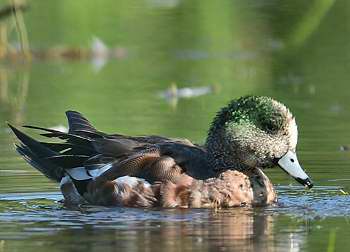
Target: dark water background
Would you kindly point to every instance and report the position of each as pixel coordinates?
(295, 51)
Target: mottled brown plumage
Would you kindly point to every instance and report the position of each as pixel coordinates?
(249, 134)
(229, 189)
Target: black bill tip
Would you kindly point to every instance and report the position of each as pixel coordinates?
(305, 182)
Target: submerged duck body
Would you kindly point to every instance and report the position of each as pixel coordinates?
(249, 134)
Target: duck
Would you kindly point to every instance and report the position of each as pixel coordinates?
(246, 136)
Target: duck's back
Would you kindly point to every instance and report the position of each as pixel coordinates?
(87, 154)
(154, 158)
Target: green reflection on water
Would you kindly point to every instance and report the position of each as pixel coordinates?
(296, 52)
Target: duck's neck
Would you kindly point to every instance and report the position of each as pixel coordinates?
(223, 155)
(220, 156)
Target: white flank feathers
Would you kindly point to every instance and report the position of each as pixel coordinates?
(80, 173)
(132, 181)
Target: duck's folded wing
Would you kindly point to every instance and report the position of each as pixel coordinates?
(162, 162)
(192, 159)
(85, 149)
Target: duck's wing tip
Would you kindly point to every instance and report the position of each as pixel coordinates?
(19, 134)
(13, 128)
(77, 122)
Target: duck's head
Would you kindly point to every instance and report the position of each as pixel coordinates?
(255, 131)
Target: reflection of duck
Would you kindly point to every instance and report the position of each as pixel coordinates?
(238, 229)
(244, 229)
(249, 134)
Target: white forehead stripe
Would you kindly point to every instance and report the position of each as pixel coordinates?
(293, 131)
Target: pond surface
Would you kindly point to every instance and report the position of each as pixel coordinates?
(168, 67)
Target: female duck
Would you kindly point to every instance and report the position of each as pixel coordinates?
(249, 134)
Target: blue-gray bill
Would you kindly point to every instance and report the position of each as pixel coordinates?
(290, 164)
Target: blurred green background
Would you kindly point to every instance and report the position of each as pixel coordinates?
(114, 61)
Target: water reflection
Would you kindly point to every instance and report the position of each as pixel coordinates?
(295, 51)
(36, 218)
(13, 92)
(239, 229)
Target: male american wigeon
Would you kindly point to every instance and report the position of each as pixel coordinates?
(248, 135)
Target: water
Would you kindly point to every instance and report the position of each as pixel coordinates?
(297, 53)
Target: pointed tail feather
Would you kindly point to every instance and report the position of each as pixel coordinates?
(37, 155)
(77, 122)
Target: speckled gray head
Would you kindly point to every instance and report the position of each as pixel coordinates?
(255, 131)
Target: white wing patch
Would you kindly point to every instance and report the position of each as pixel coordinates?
(81, 173)
(97, 172)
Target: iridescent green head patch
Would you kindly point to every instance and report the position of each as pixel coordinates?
(254, 131)
(262, 112)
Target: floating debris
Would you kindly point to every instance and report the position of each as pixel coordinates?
(98, 53)
(344, 148)
(335, 108)
(343, 192)
(173, 93)
(187, 92)
(163, 3)
(99, 48)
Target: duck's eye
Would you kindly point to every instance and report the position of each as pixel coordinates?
(292, 160)
(270, 126)
(271, 123)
